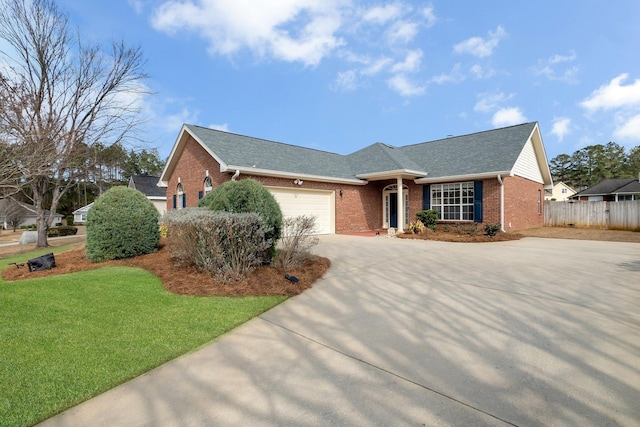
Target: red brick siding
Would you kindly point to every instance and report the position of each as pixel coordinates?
(520, 203)
(192, 165)
(490, 201)
(523, 204)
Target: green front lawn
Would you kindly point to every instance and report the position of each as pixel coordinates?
(64, 339)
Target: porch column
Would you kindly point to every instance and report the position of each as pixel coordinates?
(400, 205)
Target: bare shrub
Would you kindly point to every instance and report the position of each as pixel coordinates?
(296, 241)
(417, 227)
(224, 245)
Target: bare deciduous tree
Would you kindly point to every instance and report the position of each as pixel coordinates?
(12, 213)
(58, 95)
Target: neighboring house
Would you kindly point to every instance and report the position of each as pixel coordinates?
(611, 190)
(80, 215)
(148, 185)
(492, 177)
(28, 215)
(560, 192)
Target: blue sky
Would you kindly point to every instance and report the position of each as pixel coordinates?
(338, 75)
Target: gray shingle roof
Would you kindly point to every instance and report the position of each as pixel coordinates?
(489, 151)
(246, 151)
(631, 188)
(483, 152)
(148, 185)
(378, 158)
(611, 186)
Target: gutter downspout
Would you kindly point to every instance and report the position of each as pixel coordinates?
(235, 175)
(501, 203)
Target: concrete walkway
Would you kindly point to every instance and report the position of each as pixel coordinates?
(528, 333)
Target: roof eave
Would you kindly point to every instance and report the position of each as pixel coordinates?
(177, 147)
(405, 173)
(468, 177)
(541, 156)
(289, 175)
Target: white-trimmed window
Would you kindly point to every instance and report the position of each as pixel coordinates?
(208, 185)
(454, 201)
(181, 198)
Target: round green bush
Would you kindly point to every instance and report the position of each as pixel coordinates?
(245, 196)
(122, 223)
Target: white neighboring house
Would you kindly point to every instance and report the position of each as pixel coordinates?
(29, 216)
(561, 192)
(80, 215)
(145, 184)
(148, 185)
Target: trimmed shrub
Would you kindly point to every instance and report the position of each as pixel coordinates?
(428, 217)
(122, 223)
(70, 220)
(224, 245)
(296, 241)
(492, 229)
(245, 196)
(63, 230)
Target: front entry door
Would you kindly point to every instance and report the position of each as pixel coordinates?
(393, 210)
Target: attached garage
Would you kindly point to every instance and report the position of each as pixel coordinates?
(297, 201)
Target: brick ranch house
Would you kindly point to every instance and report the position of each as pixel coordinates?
(492, 177)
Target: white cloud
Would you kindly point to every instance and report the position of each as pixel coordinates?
(480, 47)
(384, 14)
(628, 129)
(429, 13)
(455, 76)
(548, 68)
(623, 100)
(480, 72)
(175, 121)
(292, 30)
(346, 81)
(555, 59)
(491, 101)
(377, 66)
(508, 117)
(223, 127)
(561, 127)
(411, 62)
(402, 32)
(614, 95)
(401, 84)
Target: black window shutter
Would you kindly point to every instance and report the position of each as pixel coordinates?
(175, 204)
(477, 201)
(426, 197)
(200, 195)
(184, 200)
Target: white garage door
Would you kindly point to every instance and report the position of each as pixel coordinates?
(295, 202)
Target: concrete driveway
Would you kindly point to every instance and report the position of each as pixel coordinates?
(528, 333)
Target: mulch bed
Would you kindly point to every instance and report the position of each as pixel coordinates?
(449, 236)
(188, 280)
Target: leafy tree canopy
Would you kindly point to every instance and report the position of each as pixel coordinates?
(594, 163)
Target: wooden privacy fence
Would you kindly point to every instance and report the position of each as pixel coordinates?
(605, 215)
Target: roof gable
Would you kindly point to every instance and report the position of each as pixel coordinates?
(380, 158)
(489, 153)
(147, 185)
